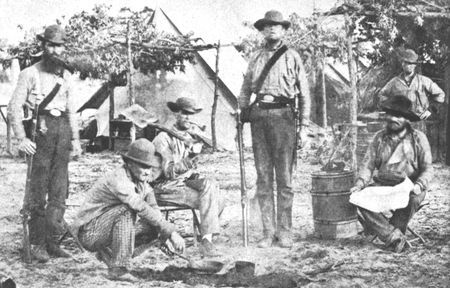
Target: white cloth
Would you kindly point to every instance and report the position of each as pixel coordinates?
(383, 198)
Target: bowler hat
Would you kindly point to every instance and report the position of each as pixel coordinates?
(272, 17)
(408, 56)
(143, 152)
(399, 105)
(184, 104)
(54, 34)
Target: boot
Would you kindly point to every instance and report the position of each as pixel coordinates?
(285, 240)
(39, 253)
(266, 242)
(208, 249)
(120, 274)
(56, 251)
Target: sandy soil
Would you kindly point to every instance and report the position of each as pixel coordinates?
(311, 262)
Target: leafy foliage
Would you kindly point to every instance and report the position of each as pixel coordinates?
(97, 45)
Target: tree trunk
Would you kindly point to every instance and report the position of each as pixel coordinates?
(354, 92)
(216, 98)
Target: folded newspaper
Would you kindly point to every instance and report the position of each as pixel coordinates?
(383, 198)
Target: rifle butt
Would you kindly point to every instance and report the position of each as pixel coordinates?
(26, 246)
(245, 224)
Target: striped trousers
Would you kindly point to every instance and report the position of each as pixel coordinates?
(115, 233)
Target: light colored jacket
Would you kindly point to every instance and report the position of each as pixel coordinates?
(28, 87)
(394, 157)
(286, 78)
(116, 188)
(420, 91)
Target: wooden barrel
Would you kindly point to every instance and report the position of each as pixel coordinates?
(334, 216)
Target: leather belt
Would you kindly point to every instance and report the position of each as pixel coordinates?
(266, 105)
(266, 101)
(52, 113)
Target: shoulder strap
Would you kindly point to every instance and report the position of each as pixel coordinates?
(50, 96)
(269, 66)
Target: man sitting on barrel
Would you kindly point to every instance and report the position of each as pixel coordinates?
(396, 152)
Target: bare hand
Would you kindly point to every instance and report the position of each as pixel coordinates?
(355, 189)
(177, 242)
(197, 148)
(76, 149)
(417, 189)
(27, 146)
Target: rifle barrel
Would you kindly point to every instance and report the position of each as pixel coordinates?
(244, 200)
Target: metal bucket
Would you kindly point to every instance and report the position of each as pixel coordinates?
(334, 216)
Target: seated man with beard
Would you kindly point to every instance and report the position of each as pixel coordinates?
(396, 152)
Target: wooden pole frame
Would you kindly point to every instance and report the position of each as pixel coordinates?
(216, 99)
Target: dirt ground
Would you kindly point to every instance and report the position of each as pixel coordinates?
(311, 262)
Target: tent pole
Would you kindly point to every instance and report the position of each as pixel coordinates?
(130, 83)
(354, 92)
(216, 98)
(111, 114)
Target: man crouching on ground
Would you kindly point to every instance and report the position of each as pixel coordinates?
(106, 222)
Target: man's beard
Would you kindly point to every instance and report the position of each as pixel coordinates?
(52, 62)
(397, 129)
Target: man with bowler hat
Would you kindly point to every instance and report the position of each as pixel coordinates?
(106, 221)
(47, 83)
(277, 86)
(417, 88)
(179, 184)
(396, 152)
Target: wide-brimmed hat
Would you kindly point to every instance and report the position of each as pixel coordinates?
(408, 56)
(184, 104)
(143, 152)
(399, 105)
(54, 34)
(272, 17)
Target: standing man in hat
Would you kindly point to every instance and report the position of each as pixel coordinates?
(106, 221)
(272, 118)
(46, 85)
(417, 88)
(178, 184)
(396, 152)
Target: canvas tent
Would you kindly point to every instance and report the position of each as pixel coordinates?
(197, 81)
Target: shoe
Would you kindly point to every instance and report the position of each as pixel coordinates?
(266, 242)
(399, 245)
(285, 241)
(104, 256)
(396, 241)
(120, 274)
(39, 253)
(56, 251)
(208, 249)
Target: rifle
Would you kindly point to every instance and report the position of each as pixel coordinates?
(297, 126)
(25, 209)
(244, 200)
(188, 141)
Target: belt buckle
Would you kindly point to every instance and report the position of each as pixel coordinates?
(55, 112)
(268, 98)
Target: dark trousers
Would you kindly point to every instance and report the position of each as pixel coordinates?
(273, 137)
(49, 179)
(383, 227)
